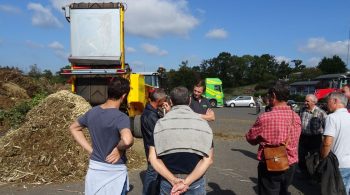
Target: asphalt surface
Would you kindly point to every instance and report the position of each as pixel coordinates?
(233, 172)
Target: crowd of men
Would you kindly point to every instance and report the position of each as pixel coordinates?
(178, 140)
(309, 134)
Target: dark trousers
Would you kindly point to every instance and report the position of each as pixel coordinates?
(274, 183)
(308, 144)
(151, 181)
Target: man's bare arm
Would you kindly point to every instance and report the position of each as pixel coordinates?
(126, 141)
(159, 166)
(197, 172)
(326, 146)
(77, 131)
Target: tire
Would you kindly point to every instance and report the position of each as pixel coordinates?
(251, 105)
(213, 103)
(232, 105)
(136, 126)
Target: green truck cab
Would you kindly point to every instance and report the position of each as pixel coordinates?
(214, 92)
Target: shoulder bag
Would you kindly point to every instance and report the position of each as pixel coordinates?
(276, 157)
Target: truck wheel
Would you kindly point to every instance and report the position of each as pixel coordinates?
(213, 103)
(136, 126)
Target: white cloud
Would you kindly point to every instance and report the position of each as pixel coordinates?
(151, 18)
(201, 11)
(312, 62)
(34, 45)
(58, 50)
(218, 33)
(43, 16)
(130, 50)
(56, 46)
(138, 66)
(156, 18)
(10, 9)
(323, 47)
(280, 59)
(154, 50)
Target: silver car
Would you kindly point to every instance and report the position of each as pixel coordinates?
(241, 101)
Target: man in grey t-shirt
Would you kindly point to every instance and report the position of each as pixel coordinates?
(110, 134)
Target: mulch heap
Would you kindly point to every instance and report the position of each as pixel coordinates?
(42, 150)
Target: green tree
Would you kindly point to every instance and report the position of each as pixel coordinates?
(283, 70)
(332, 65)
(34, 71)
(298, 66)
(47, 74)
(263, 68)
(310, 73)
(184, 76)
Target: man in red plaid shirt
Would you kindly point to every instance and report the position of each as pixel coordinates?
(275, 128)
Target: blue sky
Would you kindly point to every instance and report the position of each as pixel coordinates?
(166, 32)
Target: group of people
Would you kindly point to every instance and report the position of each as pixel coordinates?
(178, 140)
(309, 134)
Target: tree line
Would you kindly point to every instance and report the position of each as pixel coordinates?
(236, 70)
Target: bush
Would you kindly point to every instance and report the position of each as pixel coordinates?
(15, 117)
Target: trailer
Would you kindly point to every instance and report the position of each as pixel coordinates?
(98, 55)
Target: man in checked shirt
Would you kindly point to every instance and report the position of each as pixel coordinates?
(275, 128)
(312, 122)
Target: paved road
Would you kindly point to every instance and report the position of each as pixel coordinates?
(233, 172)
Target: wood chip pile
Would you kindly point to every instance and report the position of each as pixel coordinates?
(43, 151)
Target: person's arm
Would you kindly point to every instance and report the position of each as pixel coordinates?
(197, 172)
(77, 131)
(209, 115)
(253, 135)
(200, 168)
(326, 146)
(126, 141)
(159, 166)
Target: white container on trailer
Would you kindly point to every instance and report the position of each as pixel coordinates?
(95, 34)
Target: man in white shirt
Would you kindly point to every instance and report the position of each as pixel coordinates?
(337, 135)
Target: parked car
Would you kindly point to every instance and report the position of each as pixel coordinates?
(241, 101)
(293, 105)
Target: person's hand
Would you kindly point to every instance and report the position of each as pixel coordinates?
(114, 156)
(166, 106)
(209, 112)
(179, 188)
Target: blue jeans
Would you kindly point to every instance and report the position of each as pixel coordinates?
(150, 181)
(345, 174)
(196, 188)
(124, 192)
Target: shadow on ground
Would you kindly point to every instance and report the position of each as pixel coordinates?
(216, 190)
(246, 153)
